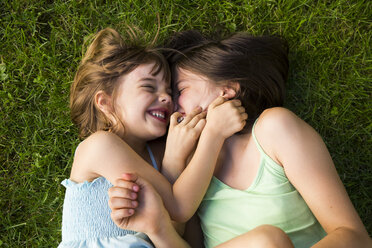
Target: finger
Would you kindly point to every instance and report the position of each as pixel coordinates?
(119, 203)
(244, 116)
(200, 125)
(127, 184)
(118, 215)
(196, 119)
(236, 102)
(191, 115)
(218, 101)
(129, 177)
(243, 125)
(174, 118)
(142, 183)
(122, 192)
(241, 109)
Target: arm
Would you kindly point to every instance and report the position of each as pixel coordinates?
(168, 237)
(149, 216)
(309, 167)
(105, 154)
(194, 180)
(181, 141)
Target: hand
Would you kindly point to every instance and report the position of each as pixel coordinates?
(225, 118)
(183, 135)
(181, 141)
(147, 214)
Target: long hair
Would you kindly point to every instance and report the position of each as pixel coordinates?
(107, 58)
(258, 63)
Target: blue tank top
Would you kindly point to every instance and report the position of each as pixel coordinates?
(86, 220)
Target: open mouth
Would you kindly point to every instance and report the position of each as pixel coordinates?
(159, 114)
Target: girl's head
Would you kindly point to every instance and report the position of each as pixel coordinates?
(252, 69)
(121, 86)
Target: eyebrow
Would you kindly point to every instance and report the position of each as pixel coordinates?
(178, 82)
(147, 79)
(153, 80)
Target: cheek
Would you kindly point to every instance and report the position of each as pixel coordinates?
(207, 99)
(181, 101)
(186, 103)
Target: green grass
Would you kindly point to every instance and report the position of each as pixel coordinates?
(330, 87)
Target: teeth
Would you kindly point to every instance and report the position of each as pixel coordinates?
(159, 115)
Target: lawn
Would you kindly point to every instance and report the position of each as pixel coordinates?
(41, 42)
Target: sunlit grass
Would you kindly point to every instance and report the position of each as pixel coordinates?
(41, 41)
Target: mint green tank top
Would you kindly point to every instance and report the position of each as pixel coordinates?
(226, 212)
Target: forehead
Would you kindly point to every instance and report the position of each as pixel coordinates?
(183, 75)
(146, 72)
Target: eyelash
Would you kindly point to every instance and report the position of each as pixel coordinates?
(149, 87)
(180, 91)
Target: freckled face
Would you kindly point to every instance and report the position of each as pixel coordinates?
(193, 90)
(144, 103)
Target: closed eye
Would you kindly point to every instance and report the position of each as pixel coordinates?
(177, 93)
(180, 87)
(180, 91)
(149, 87)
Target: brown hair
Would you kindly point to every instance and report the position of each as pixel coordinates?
(258, 64)
(107, 58)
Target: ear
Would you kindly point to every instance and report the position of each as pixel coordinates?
(230, 90)
(103, 102)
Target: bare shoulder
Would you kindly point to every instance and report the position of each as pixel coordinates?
(278, 128)
(281, 122)
(98, 141)
(91, 152)
(278, 119)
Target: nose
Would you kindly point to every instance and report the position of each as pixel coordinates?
(165, 98)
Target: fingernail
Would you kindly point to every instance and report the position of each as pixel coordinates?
(133, 195)
(180, 119)
(134, 203)
(135, 188)
(131, 211)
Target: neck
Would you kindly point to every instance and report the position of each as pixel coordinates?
(138, 145)
(234, 140)
(232, 149)
(233, 145)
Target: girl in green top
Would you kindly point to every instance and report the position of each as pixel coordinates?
(277, 172)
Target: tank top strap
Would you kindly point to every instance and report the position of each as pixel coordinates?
(153, 161)
(256, 141)
(268, 161)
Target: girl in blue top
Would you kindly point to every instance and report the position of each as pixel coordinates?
(275, 162)
(120, 100)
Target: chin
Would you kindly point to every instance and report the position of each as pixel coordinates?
(162, 133)
(158, 134)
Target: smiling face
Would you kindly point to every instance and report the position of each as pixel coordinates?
(143, 103)
(193, 90)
